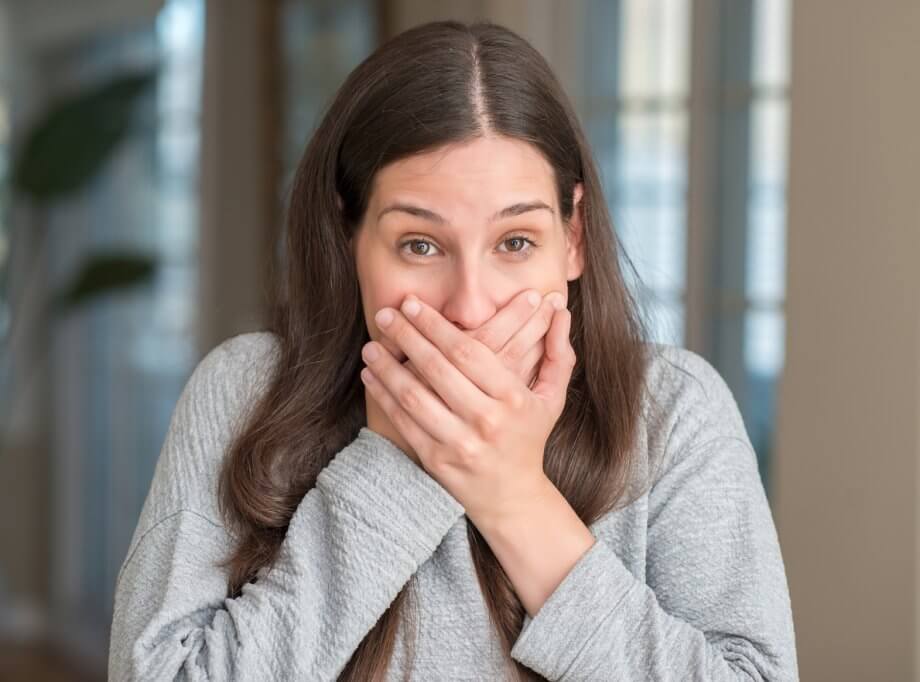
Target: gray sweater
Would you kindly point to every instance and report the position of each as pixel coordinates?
(685, 583)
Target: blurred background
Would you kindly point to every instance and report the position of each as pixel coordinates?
(760, 162)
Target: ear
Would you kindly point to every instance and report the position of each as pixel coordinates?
(575, 258)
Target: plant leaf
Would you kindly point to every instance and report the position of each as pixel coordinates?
(72, 141)
(104, 273)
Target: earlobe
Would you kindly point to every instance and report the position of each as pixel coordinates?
(575, 237)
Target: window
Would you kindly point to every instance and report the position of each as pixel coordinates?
(321, 42)
(645, 63)
(636, 115)
(119, 361)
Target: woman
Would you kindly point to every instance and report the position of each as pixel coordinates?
(424, 469)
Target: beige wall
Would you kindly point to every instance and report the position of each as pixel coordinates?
(848, 442)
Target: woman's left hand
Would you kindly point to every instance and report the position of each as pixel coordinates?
(483, 434)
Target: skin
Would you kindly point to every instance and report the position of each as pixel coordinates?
(436, 235)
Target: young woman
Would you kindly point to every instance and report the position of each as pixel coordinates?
(454, 454)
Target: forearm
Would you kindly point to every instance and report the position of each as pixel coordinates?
(538, 546)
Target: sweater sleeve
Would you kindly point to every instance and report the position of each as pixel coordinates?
(715, 602)
(350, 547)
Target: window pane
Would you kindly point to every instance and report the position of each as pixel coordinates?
(636, 120)
(666, 320)
(766, 239)
(763, 340)
(321, 42)
(654, 47)
(770, 65)
(648, 196)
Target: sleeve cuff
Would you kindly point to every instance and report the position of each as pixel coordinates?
(551, 641)
(377, 483)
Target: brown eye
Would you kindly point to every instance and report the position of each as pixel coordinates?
(418, 247)
(520, 245)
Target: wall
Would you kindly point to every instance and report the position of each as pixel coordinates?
(848, 442)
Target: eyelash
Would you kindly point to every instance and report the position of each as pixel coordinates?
(521, 254)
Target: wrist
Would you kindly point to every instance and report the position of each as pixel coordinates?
(540, 495)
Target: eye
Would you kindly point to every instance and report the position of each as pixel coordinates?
(414, 243)
(524, 245)
(520, 246)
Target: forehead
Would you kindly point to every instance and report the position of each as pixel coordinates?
(485, 172)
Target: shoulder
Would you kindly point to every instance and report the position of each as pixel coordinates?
(209, 414)
(238, 364)
(224, 386)
(683, 372)
(687, 403)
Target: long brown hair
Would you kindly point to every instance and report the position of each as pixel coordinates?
(435, 84)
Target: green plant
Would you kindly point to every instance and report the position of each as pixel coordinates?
(62, 153)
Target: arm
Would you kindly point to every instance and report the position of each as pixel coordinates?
(539, 545)
(716, 603)
(349, 549)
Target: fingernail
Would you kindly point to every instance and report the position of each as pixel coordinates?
(557, 300)
(384, 316)
(533, 298)
(411, 307)
(371, 353)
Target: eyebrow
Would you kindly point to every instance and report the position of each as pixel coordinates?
(507, 212)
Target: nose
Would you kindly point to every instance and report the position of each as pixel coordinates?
(470, 302)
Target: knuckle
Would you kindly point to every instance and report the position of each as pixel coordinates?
(513, 352)
(516, 400)
(487, 337)
(435, 465)
(462, 350)
(409, 399)
(467, 452)
(487, 425)
(435, 368)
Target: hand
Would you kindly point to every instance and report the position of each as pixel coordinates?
(481, 433)
(515, 333)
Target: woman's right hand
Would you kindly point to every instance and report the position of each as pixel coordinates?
(515, 334)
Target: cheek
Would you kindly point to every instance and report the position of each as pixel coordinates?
(381, 285)
(386, 289)
(545, 272)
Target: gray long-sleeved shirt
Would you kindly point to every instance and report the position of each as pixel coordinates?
(685, 583)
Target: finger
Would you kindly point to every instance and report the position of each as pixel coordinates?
(496, 332)
(418, 375)
(533, 329)
(558, 361)
(457, 391)
(454, 363)
(530, 364)
(391, 346)
(397, 353)
(408, 392)
(418, 439)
